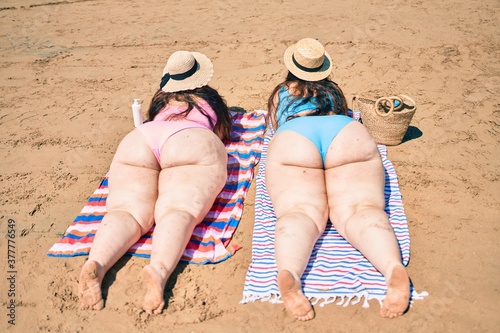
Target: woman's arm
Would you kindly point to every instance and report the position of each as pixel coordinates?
(273, 122)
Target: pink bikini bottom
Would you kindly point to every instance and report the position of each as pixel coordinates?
(157, 133)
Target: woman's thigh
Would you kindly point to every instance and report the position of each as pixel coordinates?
(295, 177)
(194, 171)
(354, 173)
(133, 179)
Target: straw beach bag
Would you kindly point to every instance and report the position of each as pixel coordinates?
(387, 118)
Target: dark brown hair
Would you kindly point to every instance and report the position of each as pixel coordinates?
(223, 125)
(325, 92)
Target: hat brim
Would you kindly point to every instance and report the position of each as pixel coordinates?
(321, 73)
(200, 78)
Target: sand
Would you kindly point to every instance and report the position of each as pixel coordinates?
(71, 69)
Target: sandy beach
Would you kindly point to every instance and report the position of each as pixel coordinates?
(71, 69)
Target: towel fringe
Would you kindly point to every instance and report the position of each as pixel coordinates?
(344, 300)
(418, 296)
(316, 300)
(271, 298)
(357, 300)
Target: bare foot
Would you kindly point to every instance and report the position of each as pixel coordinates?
(296, 304)
(153, 301)
(398, 293)
(89, 286)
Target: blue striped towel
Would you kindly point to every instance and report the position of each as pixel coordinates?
(336, 271)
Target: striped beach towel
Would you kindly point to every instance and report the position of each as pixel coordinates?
(210, 240)
(336, 272)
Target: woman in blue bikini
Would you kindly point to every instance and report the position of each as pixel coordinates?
(321, 165)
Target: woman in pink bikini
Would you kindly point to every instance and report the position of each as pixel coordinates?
(166, 172)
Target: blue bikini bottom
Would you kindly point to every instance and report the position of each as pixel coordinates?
(320, 130)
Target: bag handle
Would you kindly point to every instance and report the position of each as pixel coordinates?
(408, 99)
(391, 103)
(399, 105)
(401, 100)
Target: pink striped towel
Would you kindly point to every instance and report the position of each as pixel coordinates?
(210, 240)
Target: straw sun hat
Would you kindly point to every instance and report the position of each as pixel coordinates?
(185, 71)
(308, 60)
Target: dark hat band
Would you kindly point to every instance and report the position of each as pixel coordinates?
(307, 69)
(178, 77)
